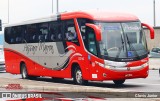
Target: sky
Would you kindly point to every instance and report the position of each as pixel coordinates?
(22, 10)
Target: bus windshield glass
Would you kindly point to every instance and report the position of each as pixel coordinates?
(122, 40)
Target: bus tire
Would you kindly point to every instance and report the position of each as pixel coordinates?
(24, 72)
(118, 82)
(78, 77)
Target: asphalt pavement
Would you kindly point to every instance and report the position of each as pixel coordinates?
(154, 63)
(149, 84)
(46, 84)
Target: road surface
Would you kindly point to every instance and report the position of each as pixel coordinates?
(150, 84)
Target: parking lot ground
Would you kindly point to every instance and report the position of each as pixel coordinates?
(154, 63)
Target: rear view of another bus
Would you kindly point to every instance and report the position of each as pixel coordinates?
(2, 62)
(2, 66)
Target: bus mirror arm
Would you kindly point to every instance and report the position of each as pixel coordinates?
(151, 30)
(96, 30)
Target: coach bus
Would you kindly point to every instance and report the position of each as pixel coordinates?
(83, 45)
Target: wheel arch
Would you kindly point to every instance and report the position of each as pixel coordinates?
(22, 62)
(73, 67)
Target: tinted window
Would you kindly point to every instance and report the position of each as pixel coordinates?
(32, 34)
(43, 30)
(19, 34)
(82, 26)
(15, 35)
(70, 32)
(56, 31)
(155, 50)
(8, 33)
(91, 41)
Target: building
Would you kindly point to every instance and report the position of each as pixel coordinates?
(156, 41)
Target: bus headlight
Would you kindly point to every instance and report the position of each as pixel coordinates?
(108, 67)
(145, 64)
(121, 65)
(103, 65)
(126, 68)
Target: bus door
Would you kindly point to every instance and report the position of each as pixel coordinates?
(91, 46)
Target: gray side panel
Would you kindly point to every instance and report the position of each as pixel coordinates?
(60, 47)
(50, 55)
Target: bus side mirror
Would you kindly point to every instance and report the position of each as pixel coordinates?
(151, 30)
(96, 30)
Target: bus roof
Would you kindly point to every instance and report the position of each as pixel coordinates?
(101, 15)
(93, 15)
(44, 19)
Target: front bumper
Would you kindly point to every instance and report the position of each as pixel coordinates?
(108, 74)
(116, 75)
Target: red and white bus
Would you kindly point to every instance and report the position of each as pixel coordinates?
(89, 45)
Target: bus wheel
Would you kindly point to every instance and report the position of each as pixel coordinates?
(78, 77)
(118, 82)
(24, 72)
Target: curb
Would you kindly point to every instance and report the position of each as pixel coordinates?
(76, 88)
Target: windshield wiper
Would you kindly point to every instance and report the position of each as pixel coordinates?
(120, 49)
(131, 46)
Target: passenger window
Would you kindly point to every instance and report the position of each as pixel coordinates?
(70, 32)
(32, 33)
(8, 35)
(43, 32)
(56, 31)
(13, 35)
(82, 26)
(20, 32)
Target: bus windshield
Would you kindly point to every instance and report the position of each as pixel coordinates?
(122, 40)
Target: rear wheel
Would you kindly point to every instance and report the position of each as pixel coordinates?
(118, 82)
(24, 72)
(78, 77)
